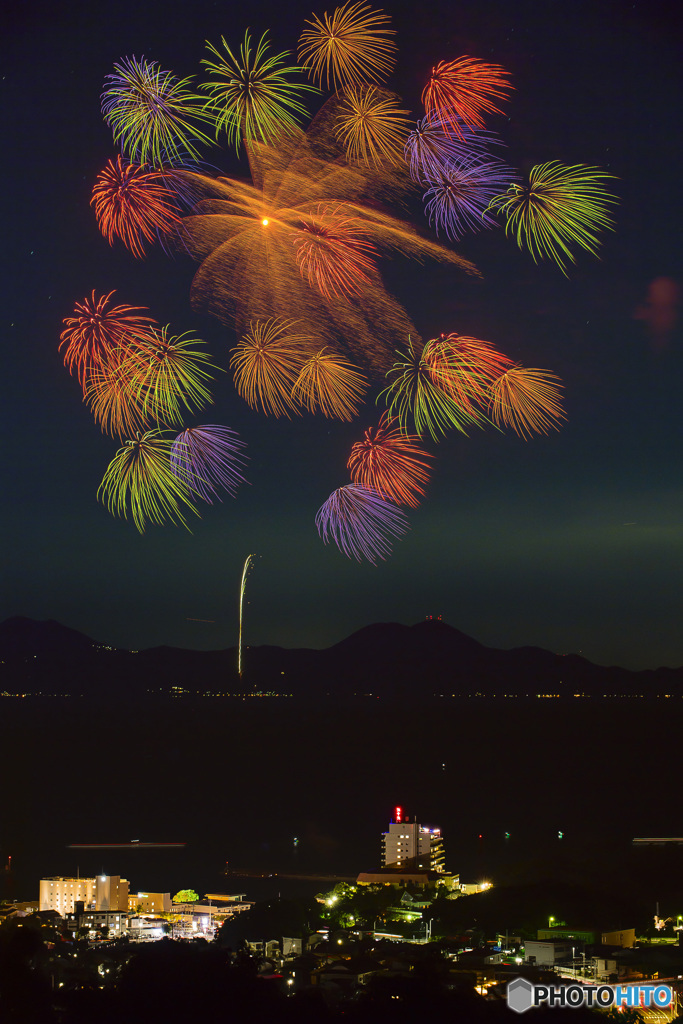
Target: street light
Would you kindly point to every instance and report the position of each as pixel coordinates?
(550, 922)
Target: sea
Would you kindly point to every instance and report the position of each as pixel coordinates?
(274, 796)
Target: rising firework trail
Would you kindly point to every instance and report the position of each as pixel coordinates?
(243, 586)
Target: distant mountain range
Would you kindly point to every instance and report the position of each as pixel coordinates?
(386, 659)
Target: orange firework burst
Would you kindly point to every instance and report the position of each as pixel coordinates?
(329, 384)
(332, 252)
(526, 400)
(134, 204)
(391, 462)
(114, 401)
(464, 88)
(97, 330)
(372, 127)
(349, 48)
(242, 235)
(464, 367)
(267, 362)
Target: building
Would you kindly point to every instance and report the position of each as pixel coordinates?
(409, 846)
(148, 929)
(115, 922)
(548, 953)
(62, 894)
(624, 937)
(470, 888)
(106, 892)
(414, 879)
(149, 903)
(111, 893)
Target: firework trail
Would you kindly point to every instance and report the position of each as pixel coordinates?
(248, 566)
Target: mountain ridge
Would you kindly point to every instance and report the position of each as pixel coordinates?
(428, 658)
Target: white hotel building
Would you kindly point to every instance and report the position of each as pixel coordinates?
(105, 892)
(409, 846)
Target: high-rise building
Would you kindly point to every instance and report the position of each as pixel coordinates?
(409, 846)
(61, 894)
(106, 892)
(111, 892)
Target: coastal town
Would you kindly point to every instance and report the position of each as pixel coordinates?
(372, 938)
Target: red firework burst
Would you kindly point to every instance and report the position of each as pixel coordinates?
(98, 330)
(391, 462)
(464, 88)
(134, 204)
(332, 253)
(464, 368)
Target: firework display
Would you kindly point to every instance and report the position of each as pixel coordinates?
(248, 566)
(360, 522)
(252, 98)
(464, 90)
(332, 252)
(391, 463)
(134, 205)
(115, 402)
(557, 207)
(140, 481)
(208, 458)
(330, 385)
(267, 362)
(419, 395)
(458, 199)
(98, 330)
(526, 400)
(242, 236)
(430, 148)
(349, 48)
(372, 127)
(464, 368)
(169, 373)
(152, 114)
(291, 259)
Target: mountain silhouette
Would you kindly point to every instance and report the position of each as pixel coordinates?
(430, 658)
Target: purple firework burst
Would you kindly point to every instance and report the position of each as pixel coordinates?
(358, 520)
(458, 199)
(430, 148)
(208, 457)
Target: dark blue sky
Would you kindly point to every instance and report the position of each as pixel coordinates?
(571, 542)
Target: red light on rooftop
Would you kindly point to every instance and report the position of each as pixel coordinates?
(398, 814)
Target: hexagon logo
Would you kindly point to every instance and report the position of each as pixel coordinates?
(520, 995)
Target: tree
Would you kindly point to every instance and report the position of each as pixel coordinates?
(186, 896)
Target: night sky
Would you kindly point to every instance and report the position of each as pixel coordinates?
(572, 541)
